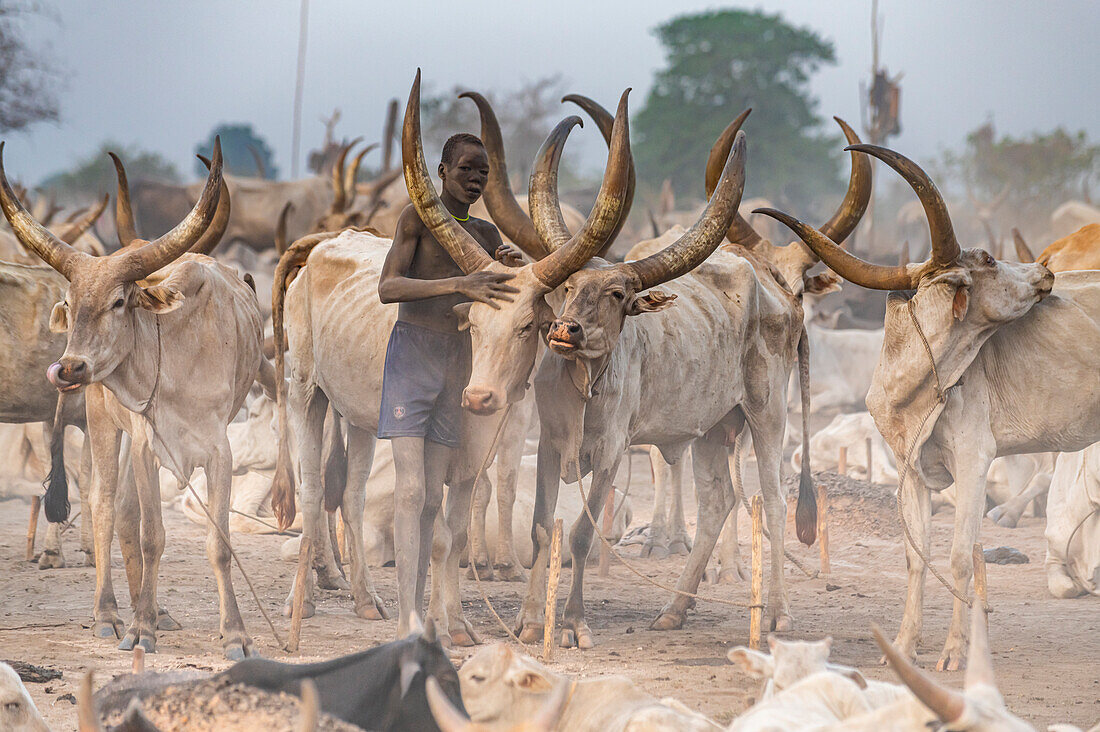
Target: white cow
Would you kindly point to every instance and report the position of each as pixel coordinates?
(1073, 525)
(17, 711)
(850, 431)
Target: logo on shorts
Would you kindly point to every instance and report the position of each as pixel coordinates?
(398, 412)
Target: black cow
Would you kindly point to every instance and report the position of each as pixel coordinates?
(379, 689)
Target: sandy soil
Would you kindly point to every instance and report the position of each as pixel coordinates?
(1045, 650)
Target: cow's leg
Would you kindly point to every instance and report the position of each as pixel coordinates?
(360, 458)
(142, 630)
(84, 484)
(531, 620)
(574, 629)
(105, 438)
(52, 556)
(714, 494)
(767, 439)
(334, 458)
(236, 644)
(1008, 514)
(509, 456)
(479, 551)
(307, 414)
(729, 549)
(679, 542)
(916, 510)
(656, 543)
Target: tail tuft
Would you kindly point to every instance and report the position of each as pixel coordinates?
(282, 490)
(805, 514)
(56, 501)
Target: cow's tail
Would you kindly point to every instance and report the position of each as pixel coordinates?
(335, 456)
(56, 501)
(805, 514)
(282, 486)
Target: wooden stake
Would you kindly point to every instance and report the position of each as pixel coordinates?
(823, 527)
(981, 589)
(608, 515)
(32, 526)
(842, 460)
(296, 609)
(552, 591)
(870, 463)
(137, 663)
(756, 612)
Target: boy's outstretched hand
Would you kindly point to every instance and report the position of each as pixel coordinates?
(487, 287)
(508, 255)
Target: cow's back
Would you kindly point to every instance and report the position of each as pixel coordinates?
(1079, 250)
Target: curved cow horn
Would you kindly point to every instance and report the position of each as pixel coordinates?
(449, 717)
(604, 217)
(309, 707)
(280, 228)
(258, 160)
(945, 247)
(339, 195)
(507, 214)
(1023, 251)
(124, 212)
(689, 251)
(848, 266)
(549, 222)
(86, 714)
(218, 225)
(741, 231)
(606, 123)
(858, 195)
(81, 226)
(352, 173)
(150, 257)
(466, 252)
(948, 705)
(34, 235)
(979, 659)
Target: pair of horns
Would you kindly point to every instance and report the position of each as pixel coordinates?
(949, 705)
(452, 719)
(945, 247)
(136, 263)
(124, 212)
(838, 227)
(501, 201)
(552, 269)
(343, 178)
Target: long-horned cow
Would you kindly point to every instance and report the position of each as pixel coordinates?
(142, 324)
(965, 376)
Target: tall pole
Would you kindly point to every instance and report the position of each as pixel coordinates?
(296, 136)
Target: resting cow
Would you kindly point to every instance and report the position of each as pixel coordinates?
(1073, 525)
(965, 376)
(17, 711)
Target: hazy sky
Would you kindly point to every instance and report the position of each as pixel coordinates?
(162, 74)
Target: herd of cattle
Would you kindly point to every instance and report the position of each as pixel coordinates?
(157, 353)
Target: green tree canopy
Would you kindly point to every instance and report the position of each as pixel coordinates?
(28, 86)
(719, 63)
(241, 147)
(94, 175)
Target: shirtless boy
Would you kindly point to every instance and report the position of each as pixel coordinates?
(428, 358)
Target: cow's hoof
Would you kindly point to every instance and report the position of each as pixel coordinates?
(782, 623)
(235, 652)
(580, 637)
(107, 628)
(308, 609)
(953, 658)
(531, 632)
(327, 580)
(484, 571)
(51, 559)
(166, 621)
(680, 545)
(654, 549)
(373, 610)
(510, 572)
(464, 636)
(89, 557)
(1003, 518)
(133, 638)
(711, 576)
(667, 621)
(732, 576)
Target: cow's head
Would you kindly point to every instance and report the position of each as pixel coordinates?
(341, 213)
(104, 293)
(505, 335)
(599, 297)
(962, 295)
(501, 688)
(789, 662)
(17, 710)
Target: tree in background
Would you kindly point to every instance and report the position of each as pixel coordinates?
(719, 63)
(28, 88)
(526, 115)
(245, 153)
(94, 175)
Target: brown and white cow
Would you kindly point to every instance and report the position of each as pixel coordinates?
(1016, 357)
(167, 344)
(1079, 250)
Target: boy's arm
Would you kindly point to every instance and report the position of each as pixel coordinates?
(394, 286)
(506, 254)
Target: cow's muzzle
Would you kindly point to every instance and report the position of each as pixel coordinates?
(565, 336)
(480, 400)
(68, 376)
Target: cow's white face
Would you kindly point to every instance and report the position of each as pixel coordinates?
(98, 314)
(502, 688)
(598, 299)
(17, 711)
(985, 292)
(505, 342)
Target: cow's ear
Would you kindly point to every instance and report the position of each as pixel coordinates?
(821, 284)
(650, 302)
(528, 679)
(960, 303)
(462, 312)
(59, 318)
(754, 663)
(544, 317)
(851, 673)
(410, 667)
(159, 299)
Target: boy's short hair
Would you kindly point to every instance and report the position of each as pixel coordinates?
(454, 141)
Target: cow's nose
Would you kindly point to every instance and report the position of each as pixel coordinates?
(73, 370)
(477, 400)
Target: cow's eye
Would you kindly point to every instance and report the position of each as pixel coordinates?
(618, 294)
(526, 328)
(12, 707)
(118, 303)
(477, 678)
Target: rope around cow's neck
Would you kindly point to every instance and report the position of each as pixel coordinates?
(941, 398)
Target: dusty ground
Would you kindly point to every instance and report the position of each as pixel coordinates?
(1045, 650)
